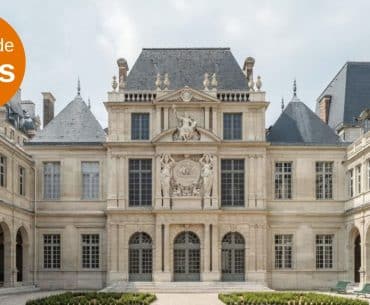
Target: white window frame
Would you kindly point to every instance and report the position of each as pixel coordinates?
(54, 180)
(89, 245)
(324, 175)
(92, 182)
(284, 245)
(53, 254)
(284, 181)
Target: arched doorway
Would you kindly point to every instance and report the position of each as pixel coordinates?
(19, 256)
(186, 257)
(357, 258)
(233, 257)
(140, 257)
(5, 265)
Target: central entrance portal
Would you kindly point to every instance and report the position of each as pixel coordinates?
(186, 258)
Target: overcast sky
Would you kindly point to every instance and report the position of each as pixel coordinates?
(307, 40)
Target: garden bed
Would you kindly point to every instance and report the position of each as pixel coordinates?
(95, 298)
(286, 298)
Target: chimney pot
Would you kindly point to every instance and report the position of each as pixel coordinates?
(48, 105)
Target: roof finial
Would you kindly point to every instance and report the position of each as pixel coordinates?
(295, 88)
(88, 103)
(282, 104)
(78, 87)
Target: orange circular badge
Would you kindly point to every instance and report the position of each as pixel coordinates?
(12, 62)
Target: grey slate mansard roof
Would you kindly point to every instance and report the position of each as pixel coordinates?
(75, 124)
(299, 125)
(350, 92)
(186, 67)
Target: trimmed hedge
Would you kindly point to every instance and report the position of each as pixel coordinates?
(286, 298)
(95, 298)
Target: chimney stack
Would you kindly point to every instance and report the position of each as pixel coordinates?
(122, 73)
(48, 102)
(248, 69)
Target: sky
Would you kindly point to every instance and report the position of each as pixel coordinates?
(307, 40)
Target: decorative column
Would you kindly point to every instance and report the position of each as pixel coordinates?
(112, 266)
(252, 250)
(206, 118)
(165, 119)
(252, 178)
(122, 257)
(112, 181)
(121, 180)
(214, 121)
(363, 254)
(206, 253)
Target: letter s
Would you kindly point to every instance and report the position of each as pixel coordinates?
(6, 70)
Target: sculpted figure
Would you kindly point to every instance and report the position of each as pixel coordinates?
(187, 127)
(207, 173)
(166, 169)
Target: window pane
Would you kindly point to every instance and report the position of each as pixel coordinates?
(324, 180)
(90, 180)
(3, 171)
(51, 180)
(52, 251)
(232, 126)
(140, 182)
(283, 180)
(324, 251)
(232, 182)
(140, 126)
(90, 251)
(283, 251)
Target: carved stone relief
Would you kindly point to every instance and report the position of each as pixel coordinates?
(187, 177)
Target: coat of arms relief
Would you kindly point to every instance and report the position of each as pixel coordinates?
(187, 176)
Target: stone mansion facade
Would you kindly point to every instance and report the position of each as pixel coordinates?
(186, 184)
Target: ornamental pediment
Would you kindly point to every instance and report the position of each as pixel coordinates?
(187, 95)
(173, 135)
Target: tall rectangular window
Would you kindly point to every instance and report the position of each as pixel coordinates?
(51, 180)
(232, 182)
(140, 126)
(283, 180)
(350, 183)
(22, 181)
(52, 251)
(324, 180)
(283, 251)
(90, 251)
(140, 182)
(358, 179)
(232, 126)
(2, 170)
(90, 180)
(324, 251)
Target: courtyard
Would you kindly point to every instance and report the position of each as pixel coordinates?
(162, 298)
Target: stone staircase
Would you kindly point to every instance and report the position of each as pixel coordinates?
(185, 287)
(18, 289)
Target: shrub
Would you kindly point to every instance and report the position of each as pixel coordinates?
(95, 298)
(286, 298)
